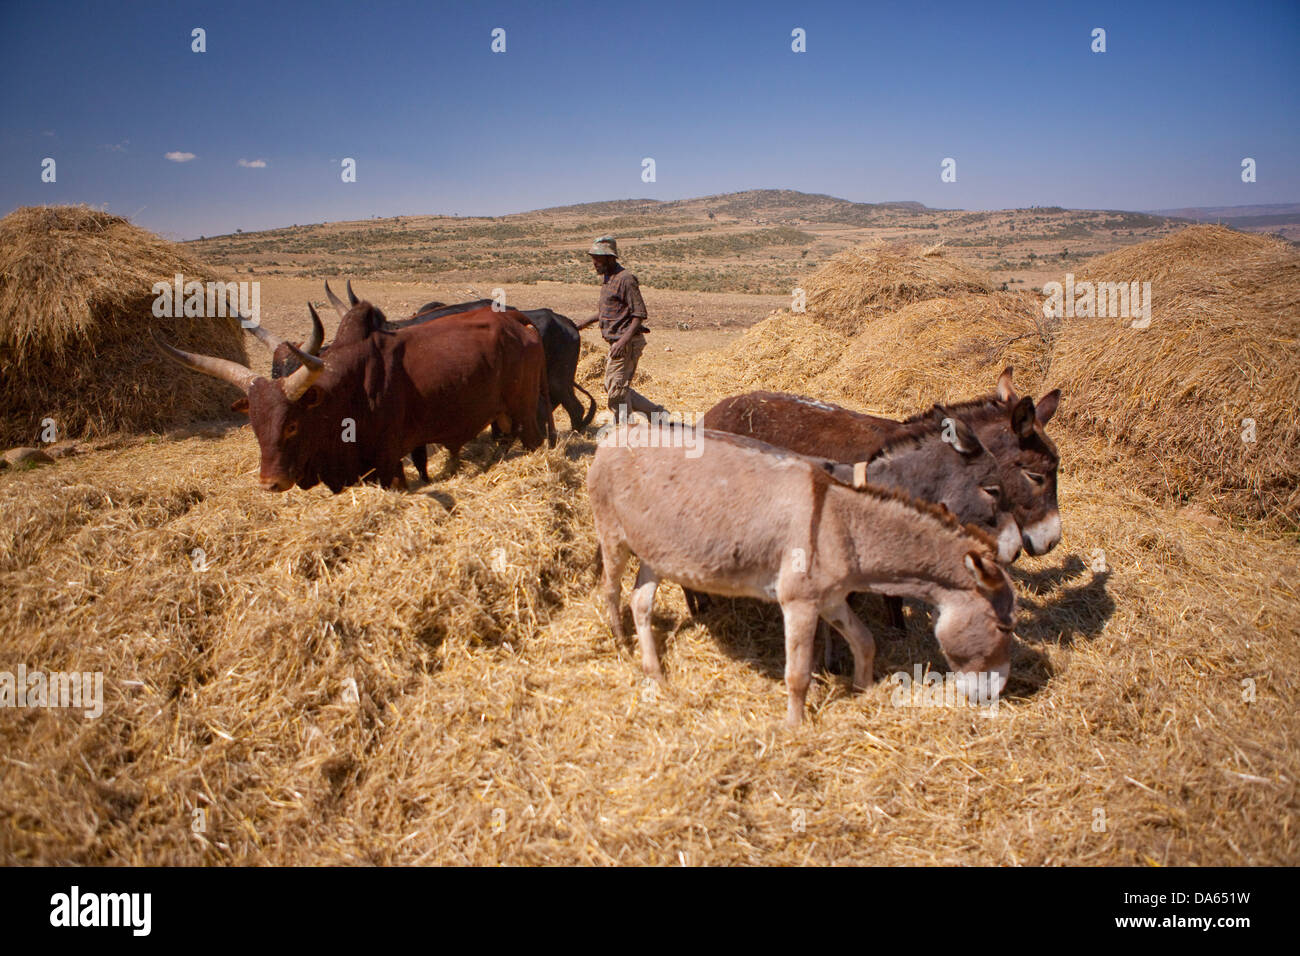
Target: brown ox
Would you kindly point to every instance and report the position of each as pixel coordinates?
(354, 415)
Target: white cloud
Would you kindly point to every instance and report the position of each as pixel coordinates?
(178, 157)
(117, 147)
(253, 163)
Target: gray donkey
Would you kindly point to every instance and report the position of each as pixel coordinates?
(740, 518)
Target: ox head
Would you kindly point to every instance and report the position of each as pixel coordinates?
(1030, 462)
(283, 412)
(283, 362)
(356, 322)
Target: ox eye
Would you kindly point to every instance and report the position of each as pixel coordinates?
(993, 491)
(290, 429)
(1035, 477)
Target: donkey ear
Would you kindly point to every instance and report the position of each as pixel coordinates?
(988, 577)
(965, 440)
(1022, 417)
(1047, 406)
(1005, 392)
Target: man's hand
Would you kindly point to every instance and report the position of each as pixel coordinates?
(618, 348)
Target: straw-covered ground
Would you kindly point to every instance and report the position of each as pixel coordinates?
(383, 677)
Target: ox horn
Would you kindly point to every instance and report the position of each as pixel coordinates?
(317, 337)
(269, 339)
(296, 384)
(335, 301)
(224, 369)
(352, 296)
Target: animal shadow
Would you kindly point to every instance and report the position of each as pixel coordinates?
(1062, 605)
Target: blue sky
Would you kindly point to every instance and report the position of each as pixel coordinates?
(439, 124)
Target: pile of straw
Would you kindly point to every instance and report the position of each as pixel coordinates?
(75, 314)
(942, 350)
(855, 286)
(784, 352)
(1171, 399)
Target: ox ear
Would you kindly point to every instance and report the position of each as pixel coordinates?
(1005, 392)
(987, 575)
(240, 405)
(1022, 417)
(1047, 406)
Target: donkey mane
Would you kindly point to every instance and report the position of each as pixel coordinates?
(938, 512)
(984, 405)
(920, 428)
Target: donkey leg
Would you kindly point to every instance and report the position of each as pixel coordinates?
(643, 602)
(614, 556)
(800, 635)
(861, 642)
(894, 608)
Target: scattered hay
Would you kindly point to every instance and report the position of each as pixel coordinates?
(859, 284)
(268, 687)
(352, 682)
(942, 350)
(784, 353)
(75, 314)
(1170, 400)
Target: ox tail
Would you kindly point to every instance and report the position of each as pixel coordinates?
(600, 560)
(544, 403)
(591, 412)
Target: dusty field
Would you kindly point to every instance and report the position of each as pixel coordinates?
(367, 679)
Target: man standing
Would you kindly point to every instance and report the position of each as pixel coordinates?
(622, 316)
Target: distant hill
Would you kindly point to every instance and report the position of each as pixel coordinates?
(777, 205)
(756, 241)
(1265, 217)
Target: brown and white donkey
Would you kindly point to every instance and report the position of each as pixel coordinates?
(740, 518)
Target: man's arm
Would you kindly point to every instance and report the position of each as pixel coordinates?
(586, 322)
(617, 348)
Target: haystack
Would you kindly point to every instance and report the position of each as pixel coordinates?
(75, 314)
(784, 353)
(942, 350)
(859, 284)
(1177, 399)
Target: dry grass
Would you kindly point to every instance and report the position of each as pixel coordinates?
(859, 284)
(942, 350)
(481, 690)
(1222, 347)
(783, 352)
(496, 722)
(75, 313)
